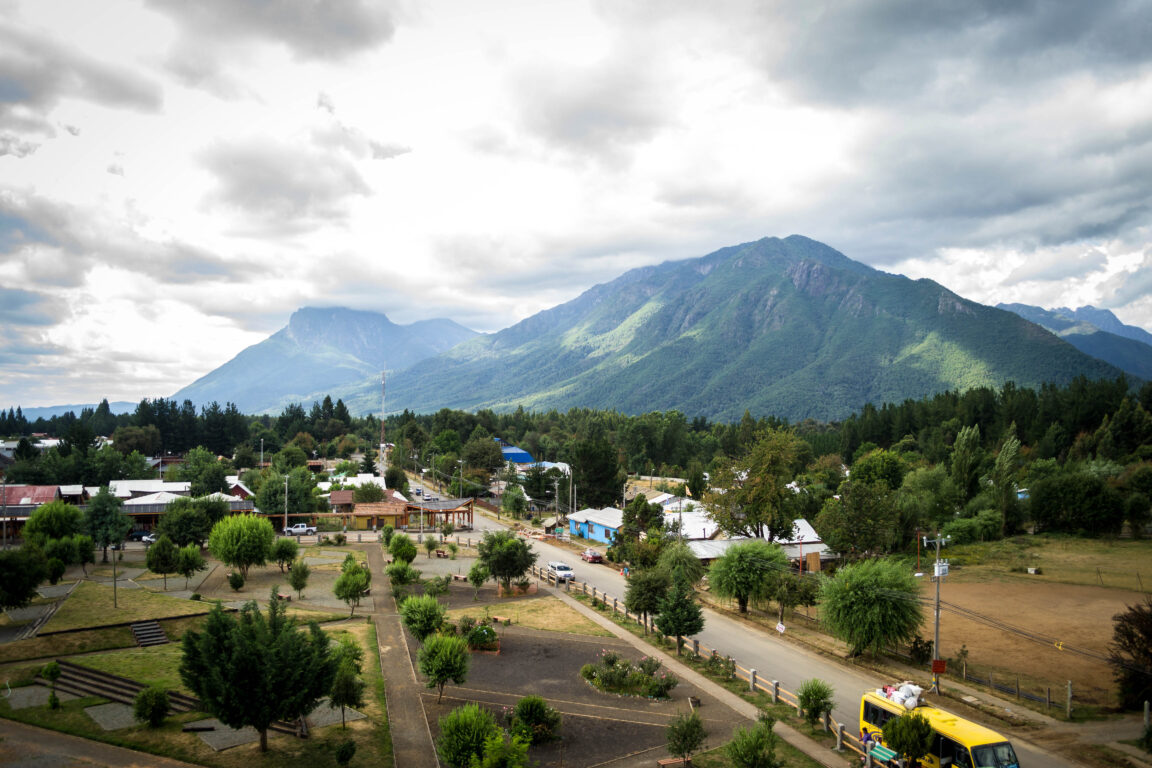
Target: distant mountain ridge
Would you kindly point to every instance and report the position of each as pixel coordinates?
(788, 327)
(318, 352)
(1095, 332)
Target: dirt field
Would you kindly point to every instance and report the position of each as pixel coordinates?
(1080, 617)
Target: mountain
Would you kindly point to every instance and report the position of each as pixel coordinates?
(48, 411)
(319, 351)
(1095, 332)
(789, 327)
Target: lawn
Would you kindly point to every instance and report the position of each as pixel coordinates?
(1114, 563)
(547, 613)
(90, 605)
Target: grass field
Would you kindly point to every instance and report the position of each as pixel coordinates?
(1112, 563)
(90, 605)
(537, 613)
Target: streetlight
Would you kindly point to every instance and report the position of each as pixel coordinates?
(941, 570)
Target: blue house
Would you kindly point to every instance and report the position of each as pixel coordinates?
(513, 454)
(596, 524)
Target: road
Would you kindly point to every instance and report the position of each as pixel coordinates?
(772, 657)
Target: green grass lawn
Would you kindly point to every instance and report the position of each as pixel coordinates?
(91, 605)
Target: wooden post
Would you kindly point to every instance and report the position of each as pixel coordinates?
(752, 680)
(964, 666)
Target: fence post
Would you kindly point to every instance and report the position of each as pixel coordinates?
(965, 667)
(568, 585)
(1068, 705)
(358, 538)
(696, 648)
(775, 691)
(752, 680)
(614, 610)
(840, 737)
(585, 587)
(827, 725)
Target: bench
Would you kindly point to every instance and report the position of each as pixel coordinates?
(459, 577)
(501, 619)
(671, 761)
(284, 596)
(881, 752)
(441, 553)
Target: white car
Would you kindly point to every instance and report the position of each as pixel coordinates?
(561, 571)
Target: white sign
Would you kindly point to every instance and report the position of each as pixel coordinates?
(780, 627)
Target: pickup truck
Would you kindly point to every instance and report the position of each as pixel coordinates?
(300, 529)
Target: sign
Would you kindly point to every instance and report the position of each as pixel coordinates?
(939, 666)
(941, 569)
(780, 627)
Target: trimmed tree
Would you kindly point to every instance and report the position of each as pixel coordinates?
(910, 736)
(506, 556)
(85, 552)
(422, 615)
(463, 732)
(748, 571)
(1130, 654)
(871, 605)
(430, 545)
(151, 706)
(298, 577)
(443, 658)
(21, 571)
(255, 669)
(347, 686)
(645, 592)
(284, 551)
(242, 541)
(163, 558)
(189, 562)
(754, 747)
(353, 583)
(185, 522)
(681, 563)
(477, 575)
(401, 548)
(106, 521)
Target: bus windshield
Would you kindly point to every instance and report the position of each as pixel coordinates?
(995, 756)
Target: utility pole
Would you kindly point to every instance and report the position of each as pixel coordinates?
(941, 570)
(285, 502)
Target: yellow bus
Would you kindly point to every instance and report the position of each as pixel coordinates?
(956, 743)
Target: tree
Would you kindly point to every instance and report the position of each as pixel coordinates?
(242, 541)
(298, 577)
(185, 522)
(401, 548)
(441, 659)
(502, 750)
(645, 592)
(862, 521)
(463, 732)
(754, 747)
(254, 669)
(597, 471)
(686, 734)
(792, 590)
(367, 493)
(748, 571)
(680, 563)
(871, 605)
(430, 545)
(285, 551)
(1130, 654)
(21, 572)
(353, 582)
(514, 501)
(477, 575)
(396, 479)
(54, 520)
(85, 552)
(680, 615)
(910, 736)
(815, 699)
(203, 471)
(189, 562)
(506, 556)
(422, 615)
(753, 493)
(163, 558)
(151, 706)
(347, 686)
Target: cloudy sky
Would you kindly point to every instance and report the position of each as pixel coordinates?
(177, 177)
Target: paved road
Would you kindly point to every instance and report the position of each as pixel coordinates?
(774, 658)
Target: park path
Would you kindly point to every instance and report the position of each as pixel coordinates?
(412, 745)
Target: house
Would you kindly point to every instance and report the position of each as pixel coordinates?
(518, 456)
(342, 502)
(237, 488)
(596, 524)
(132, 489)
(804, 544)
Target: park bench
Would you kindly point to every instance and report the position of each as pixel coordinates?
(671, 761)
(441, 553)
(501, 619)
(459, 577)
(881, 753)
(284, 596)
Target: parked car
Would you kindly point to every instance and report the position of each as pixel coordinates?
(148, 538)
(137, 535)
(300, 529)
(561, 571)
(591, 556)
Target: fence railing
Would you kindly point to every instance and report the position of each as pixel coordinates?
(736, 671)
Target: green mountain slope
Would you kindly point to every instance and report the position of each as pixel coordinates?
(320, 351)
(1095, 332)
(788, 327)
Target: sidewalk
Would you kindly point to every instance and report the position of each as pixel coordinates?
(789, 734)
(412, 745)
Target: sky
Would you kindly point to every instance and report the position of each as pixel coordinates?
(176, 178)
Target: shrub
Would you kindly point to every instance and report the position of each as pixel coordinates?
(815, 699)
(588, 672)
(920, 650)
(401, 574)
(345, 751)
(482, 637)
(236, 580)
(56, 570)
(661, 685)
(386, 534)
(463, 732)
(535, 720)
(422, 615)
(685, 735)
(339, 539)
(195, 596)
(650, 665)
(151, 706)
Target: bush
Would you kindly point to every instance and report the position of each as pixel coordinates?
(56, 570)
(463, 732)
(386, 534)
(650, 665)
(345, 751)
(422, 615)
(815, 699)
(195, 596)
(151, 706)
(466, 624)
(588, 672)
(617, 675)
(339, 539)
(482, 637)
(920, 650)
(535, 720)
(685, 735)
(236, 580)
